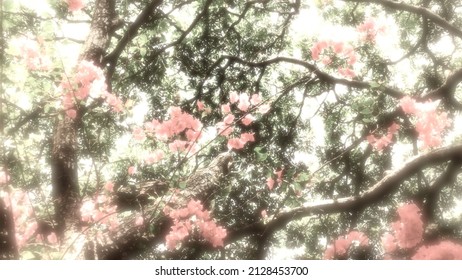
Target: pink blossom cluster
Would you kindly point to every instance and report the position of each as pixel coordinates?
(340, 247)
(407, 232)
(429, 123)
(443, 250)
(245, 104)
(88, 81)
(25, 224)
(75, 5)
(326, 50)
(201, 107)
(270, 181)
(189, 218)
(4, 177)
(154, 157)
(369, 29)
(99, 210)
(182, 130)
(409, 228)
(384, 141)
(239, 142)
(33, 54)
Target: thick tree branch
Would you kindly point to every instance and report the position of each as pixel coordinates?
(144, 16)
(424, 12)
(446, 91)
(378, 191)
(131, 240)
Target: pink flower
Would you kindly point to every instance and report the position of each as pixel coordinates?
(138, 134)
(228, 119)
(244, 103)
(109, 186)
(357, 236)
(200, 105)
(264, 214)
(71, 113)
(233, 97)
(247, 137)
(315, 53)
(408, 105)
(139, 221)
(393, 128)
(154, 157)
(326, 60)
(340, 247)
(33, 55)
(270, 183)
(384, 141)
(193, 135)
(338, 47)
(444, 250)
(52, 238)
(279, 175)
(4, 177)
(150, 127)
(131, 170)
(87, 210)
(248, 119)
(389, 243)
(409, 228)
(184, 223)
(75, 5)
(429, 123)
(346, 72)
(224, 129)
(235, 143)
(115, 103)
(352, 58)
(264, 108)
(255, 99)
(318, 48)
(194, 206)
(225, 108)
(369, 29)
(178, 146)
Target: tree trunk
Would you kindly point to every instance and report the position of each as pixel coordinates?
(8, 248)
(64, 158)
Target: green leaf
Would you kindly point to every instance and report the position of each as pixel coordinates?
(261, 153)
(302, 177)
(374, 84)
(366, 111)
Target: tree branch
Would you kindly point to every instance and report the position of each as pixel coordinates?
(323, 76)
(132, 31)
(378, 191)
(446, 91)
(422, 11)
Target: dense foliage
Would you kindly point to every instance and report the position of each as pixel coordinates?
(227, 129)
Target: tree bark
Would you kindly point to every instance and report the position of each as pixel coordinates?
(64, 157)
(8, 248)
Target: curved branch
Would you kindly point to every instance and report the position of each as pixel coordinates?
(446, 91)
(323, 76)
(422, 11)
(131, 33)
(384, 187)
